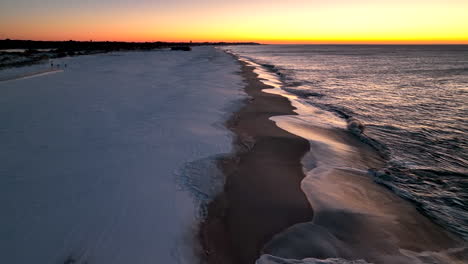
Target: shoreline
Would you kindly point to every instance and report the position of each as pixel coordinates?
(262, 195)
(354, 218)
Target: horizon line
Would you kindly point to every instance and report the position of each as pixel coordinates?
(265, 42)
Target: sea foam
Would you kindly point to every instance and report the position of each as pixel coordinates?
(341, 189)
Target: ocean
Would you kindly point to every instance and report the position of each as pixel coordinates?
(407, 102)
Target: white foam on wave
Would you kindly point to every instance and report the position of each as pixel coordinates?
(269, 259)
(354, 218)
(307, 113)
(426, 257)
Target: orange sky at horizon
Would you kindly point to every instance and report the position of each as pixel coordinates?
(271, 22)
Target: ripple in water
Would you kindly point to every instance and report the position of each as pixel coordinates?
(410, 101)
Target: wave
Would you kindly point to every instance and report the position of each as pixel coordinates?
(355, 126)
(303, 93)
(454, 255)
(270, 67)
(446, 206)
(269, 259)
(293, 86)
(295, 244)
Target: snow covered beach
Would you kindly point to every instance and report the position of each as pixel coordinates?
(111, 160)
(118, 157)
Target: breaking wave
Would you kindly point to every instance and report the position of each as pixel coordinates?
(269, 259)
(447, 207)
(441, 195)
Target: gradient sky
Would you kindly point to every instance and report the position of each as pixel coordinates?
(266, 21)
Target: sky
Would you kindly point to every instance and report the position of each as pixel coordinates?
(264, 21)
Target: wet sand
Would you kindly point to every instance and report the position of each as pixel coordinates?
(262, 195)
(264, 210)
(354, 217)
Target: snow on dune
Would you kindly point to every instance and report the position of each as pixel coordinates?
(108, 161)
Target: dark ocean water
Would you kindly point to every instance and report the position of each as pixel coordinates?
(412, 102)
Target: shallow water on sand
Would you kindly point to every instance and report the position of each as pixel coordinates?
(411, 102)
(392, 114)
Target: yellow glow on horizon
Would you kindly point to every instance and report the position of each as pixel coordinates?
(428, 22)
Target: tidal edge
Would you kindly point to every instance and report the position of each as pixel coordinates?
(262, 194)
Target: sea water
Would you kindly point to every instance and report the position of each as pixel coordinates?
(408, 102)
